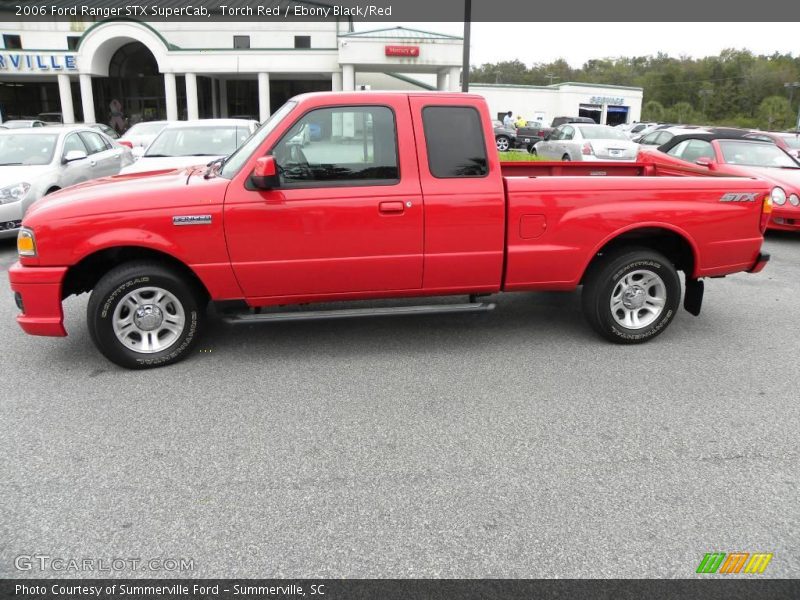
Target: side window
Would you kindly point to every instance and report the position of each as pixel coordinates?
(73, 142)
(455, 143)
(567, 133)
(343, 144)
(663, 137)
(696, 149)
(677, 150)
(94, 142)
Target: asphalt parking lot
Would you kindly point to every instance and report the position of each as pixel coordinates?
(512, 444)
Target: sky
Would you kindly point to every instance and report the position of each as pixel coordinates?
(579, 42)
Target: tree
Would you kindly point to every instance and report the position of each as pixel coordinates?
(775, 112)
(681, 112)
(653, 111)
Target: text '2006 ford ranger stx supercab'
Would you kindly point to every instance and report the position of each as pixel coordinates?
(359, 196)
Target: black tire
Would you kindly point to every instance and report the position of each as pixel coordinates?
(502, 140)
(532, 151)
(602, 280)
(565, 158)
(126, 278)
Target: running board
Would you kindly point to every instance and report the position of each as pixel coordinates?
(350, 313)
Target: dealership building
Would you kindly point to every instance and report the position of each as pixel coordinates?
(93, 70)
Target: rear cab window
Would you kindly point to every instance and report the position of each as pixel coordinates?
(455, 142)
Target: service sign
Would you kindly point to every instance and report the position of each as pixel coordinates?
(412, 51)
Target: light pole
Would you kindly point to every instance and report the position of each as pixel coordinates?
(704, 94)
(791, 87)
(465, 55)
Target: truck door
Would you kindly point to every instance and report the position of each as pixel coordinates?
(347, 215)
(463, 191)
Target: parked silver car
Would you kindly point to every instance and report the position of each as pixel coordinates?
(189, 143)
(38, 161)
(578, 141)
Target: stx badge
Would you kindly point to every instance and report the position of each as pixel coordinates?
(739, 197)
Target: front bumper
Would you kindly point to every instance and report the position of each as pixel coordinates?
(785, 219)
(38, 291)
(10, 219)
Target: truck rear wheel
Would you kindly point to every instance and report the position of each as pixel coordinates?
(144, 315)
(631, 295)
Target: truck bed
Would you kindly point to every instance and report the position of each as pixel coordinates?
(593, 168)
(557, 220)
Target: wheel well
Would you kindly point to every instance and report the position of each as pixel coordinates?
(54, 188)
(672, 245)
(84, 275)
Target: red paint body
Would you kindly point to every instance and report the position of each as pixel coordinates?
(516, 229)
(785, 218)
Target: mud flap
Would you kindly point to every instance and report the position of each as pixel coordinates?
(693, 299)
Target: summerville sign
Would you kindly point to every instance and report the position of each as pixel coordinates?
(10, 61)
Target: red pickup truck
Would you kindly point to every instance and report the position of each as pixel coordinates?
(359, 196)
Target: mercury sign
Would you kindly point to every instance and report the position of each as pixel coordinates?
(37, 62)
(402, 51)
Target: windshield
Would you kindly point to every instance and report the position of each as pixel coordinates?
(754, 154)
(603, 132)
(19, 149)
(237, 159)
(145, 129)
(198, 141)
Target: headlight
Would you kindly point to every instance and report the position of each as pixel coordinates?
(26, 243)
(778, 196)
(14, 193)
(794, 200)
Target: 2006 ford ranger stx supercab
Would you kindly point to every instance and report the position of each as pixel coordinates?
(357, 196)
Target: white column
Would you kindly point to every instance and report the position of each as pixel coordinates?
(223, 98)
(214, 103)
(263, 96)
(455, 83)
(336, 81)
(65, 91)
(441, 81)
(191, 96)
(87, 98)
(604, 114)
(348, 78)
(171, 95)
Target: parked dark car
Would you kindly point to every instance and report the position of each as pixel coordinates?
(505, 139)
(537, 133)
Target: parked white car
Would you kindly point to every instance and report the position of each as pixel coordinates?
(189, 143)
(639, 129)
(142, 134)
(39, 161)
(578, 141)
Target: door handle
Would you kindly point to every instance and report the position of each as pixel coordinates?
(392, 207)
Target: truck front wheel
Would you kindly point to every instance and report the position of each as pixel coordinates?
(143, 315)
(631, 295)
